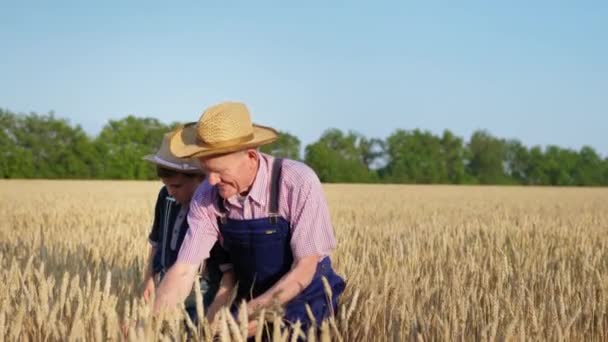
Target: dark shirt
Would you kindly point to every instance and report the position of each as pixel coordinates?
(168, 230)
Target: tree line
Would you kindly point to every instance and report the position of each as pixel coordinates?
(45, 146)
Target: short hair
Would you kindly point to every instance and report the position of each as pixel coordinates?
(163, 172)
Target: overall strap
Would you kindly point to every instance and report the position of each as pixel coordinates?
(222, 208)
(169, 202)
(275, 180)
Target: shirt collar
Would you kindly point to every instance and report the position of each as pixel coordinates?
(259, 189)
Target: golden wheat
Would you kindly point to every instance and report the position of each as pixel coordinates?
(421, 263)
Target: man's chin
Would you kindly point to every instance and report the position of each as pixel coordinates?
(226, 194)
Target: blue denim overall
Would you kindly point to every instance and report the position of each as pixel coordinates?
(261, 254)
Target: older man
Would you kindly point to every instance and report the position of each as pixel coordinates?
(270, 215)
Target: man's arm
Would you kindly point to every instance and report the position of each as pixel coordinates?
(312, 238)
(290, 285)
(175, 286)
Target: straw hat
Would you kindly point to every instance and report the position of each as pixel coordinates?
(222, 128)
(166, 159)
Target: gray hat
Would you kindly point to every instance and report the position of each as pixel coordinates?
(166, 159)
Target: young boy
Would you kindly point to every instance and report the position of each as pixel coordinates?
(181, 178)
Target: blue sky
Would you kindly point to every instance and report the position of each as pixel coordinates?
(536, 71)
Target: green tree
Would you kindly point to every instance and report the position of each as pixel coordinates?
(43, 146)
(535, 170)
(286, 146)
(50, 148)
(559, 166)
(453, 155)
(487, 154)
(588, 170)
(15, 161)
(372, 151)
(122, 144)
(517, 161)
(7, 121)
(605, 171)
(337, 157)
(415, 157)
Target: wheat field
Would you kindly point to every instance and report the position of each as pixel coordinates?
(423, 263)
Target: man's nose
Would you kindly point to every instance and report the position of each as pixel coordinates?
(171, 191)
(214, 178)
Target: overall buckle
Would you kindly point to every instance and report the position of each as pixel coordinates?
(273, 217)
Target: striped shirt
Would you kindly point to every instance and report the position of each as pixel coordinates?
(301, 202)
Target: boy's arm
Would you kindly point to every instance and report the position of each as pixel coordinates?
(154, 238)
(149, 273)
(148, 285)
(194, 250)
(219, 261)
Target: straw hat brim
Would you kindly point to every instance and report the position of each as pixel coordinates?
(185, 143)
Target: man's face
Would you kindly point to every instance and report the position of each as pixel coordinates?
(181, 187)
(232, 173)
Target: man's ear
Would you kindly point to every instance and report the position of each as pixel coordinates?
(252, 154)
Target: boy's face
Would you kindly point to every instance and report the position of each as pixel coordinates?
(181, 187)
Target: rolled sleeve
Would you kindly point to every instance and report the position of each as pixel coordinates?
(312, 232)
(201, 235)
(225, 267)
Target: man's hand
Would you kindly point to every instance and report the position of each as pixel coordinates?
(175, 286)
(148, 289)
(288, 287)
(254, 305)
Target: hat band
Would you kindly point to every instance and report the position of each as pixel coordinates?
(231, 142)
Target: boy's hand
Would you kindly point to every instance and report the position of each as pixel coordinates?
(149, 289)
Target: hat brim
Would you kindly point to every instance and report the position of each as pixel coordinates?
(185, 144)
(182, 168)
